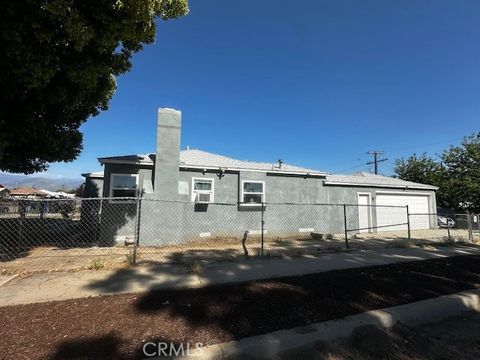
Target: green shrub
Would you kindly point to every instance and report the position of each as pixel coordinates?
(96, 264)
(130, 259)
(196, 268)
(178, 258)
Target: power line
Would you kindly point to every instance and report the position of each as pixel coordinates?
(424, 145)
(346, 163)
(351, 168)
(376, 160)
(395, 150)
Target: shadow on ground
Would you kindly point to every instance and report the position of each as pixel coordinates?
(223, 313)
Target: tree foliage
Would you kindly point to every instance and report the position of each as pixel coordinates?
(456, 172)
(421, 169)
(58, 63)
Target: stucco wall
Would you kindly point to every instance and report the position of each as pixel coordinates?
(118, 217)
(170, 222)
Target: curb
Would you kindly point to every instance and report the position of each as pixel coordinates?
(277, 342)
(4, 279)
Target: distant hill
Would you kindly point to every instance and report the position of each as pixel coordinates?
(38, 182)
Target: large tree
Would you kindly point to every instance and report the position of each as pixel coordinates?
(456, 172)
(462, 164)
(58, 63)
(421, 169)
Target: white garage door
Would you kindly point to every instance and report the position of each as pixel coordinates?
(417, 204)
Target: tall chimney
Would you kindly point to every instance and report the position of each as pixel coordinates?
(167, 158)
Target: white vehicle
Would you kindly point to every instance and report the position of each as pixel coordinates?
(445, 222)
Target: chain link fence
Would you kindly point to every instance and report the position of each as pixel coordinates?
(61, 234)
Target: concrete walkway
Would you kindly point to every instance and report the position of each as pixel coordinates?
(61, 286)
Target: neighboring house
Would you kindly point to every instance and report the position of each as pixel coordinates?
(58, 194)
(27, 193)
(4, 192)
(93, 185)
(198, 177)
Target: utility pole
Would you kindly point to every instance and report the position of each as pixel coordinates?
(376, 160)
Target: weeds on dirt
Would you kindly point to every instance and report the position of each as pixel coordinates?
(130, 259)
(282, 242)
(264, 254)
(178, 258)
(9, 271)
(196, 267)
(447, 241)
(96, 264)
(402, 243)
(453, 241)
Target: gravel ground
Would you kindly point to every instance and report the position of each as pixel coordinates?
(116, 327)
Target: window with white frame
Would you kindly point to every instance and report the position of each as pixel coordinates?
(253, 192)
(123, 185)
(202, 190)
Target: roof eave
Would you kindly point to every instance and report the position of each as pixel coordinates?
(412, 187)
(201, 167)
(92, 176)
(126, 162)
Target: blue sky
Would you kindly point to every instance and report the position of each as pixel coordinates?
(316, 83)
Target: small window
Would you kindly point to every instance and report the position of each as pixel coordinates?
(123, 185)
(253, 192)
(202, 190)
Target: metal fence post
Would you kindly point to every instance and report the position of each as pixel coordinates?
(345, 226)
(137, 229)
(470, 227)
(448, 231)
(20, 224)
(408, 225)
(262, 228)
(100, 211)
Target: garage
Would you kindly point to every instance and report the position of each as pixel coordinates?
(387, 215)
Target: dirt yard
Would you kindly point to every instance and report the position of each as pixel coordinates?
(48, 259)
(455, 338)
(116, 327)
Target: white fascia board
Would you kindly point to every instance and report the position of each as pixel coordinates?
(340, 183)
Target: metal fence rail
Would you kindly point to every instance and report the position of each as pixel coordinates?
(58, 234)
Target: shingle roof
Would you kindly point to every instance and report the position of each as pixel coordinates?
(198, 158)
(367, 179)
(27, 192)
